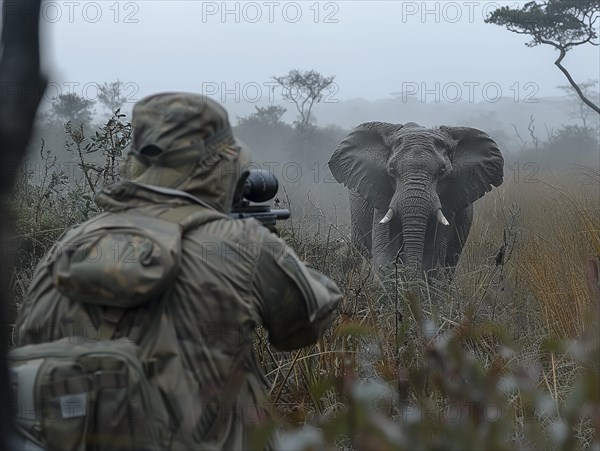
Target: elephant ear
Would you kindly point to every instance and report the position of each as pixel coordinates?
(359, 162)
(476, 165)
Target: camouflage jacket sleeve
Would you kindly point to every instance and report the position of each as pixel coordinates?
(297, 301)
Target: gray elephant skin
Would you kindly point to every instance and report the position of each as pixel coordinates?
(412, 189)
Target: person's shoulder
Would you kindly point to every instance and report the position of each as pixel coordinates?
(77, 227)
(235, 223)
(246, 229)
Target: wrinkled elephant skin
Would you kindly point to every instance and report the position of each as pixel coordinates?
(412, 189)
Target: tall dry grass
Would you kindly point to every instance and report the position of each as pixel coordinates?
(522, 273)
(555, 226)
(525, 280)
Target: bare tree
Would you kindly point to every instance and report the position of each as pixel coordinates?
(522, 142)
(304, 89)
(531, 129)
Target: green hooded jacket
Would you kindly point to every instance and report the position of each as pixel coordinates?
(234, 276)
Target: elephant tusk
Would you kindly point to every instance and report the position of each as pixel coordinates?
(388, 217)
(442, 218)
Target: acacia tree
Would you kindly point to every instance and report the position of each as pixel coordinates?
(562, 24)
(304, 89)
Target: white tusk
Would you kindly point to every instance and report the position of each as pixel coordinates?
(388, 217)
(442, 218)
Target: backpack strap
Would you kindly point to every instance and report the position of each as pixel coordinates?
(191, 216)
(110, 320)
(188, 216)
(179, 214)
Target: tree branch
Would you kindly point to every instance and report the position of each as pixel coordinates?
(523, 142)
(558, 63)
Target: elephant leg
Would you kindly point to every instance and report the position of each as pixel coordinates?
(387, 239)
(460, 232)
(361, 218)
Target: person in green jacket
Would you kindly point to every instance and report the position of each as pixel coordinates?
(234, 276)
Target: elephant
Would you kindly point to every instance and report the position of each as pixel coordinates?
(412, 189)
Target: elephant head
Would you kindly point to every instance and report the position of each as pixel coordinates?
(417, 175)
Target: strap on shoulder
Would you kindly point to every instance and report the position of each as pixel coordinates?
(192, 215)
(178, 214)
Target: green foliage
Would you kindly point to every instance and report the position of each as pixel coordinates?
(109, 142)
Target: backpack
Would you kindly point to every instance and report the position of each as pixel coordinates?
(82, 394)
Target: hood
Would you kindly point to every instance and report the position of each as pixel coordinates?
(183, 141)
(125, 195)
(213, 180)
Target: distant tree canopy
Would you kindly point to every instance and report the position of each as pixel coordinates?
(304, 89)
(571, 144)
(72, 108)
(111, 95)
(562, 24)
(268, 116)
(579, 110)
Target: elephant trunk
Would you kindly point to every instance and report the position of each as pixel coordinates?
(414, 227)
(415, 204)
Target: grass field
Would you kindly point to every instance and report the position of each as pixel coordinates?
(504, 356)
(507, 333)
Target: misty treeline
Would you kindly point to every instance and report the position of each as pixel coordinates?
(304, 145)
(565, 145)
(80, 142)
(77, 110)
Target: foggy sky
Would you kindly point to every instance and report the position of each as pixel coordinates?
(374, 49)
